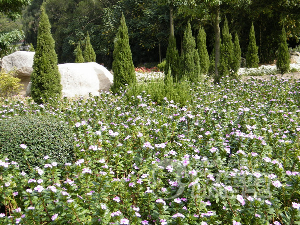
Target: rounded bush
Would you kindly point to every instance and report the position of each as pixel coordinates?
(43, 135)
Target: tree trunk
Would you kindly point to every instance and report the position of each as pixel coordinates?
(171, 20)
(216, 24)
(159, 49)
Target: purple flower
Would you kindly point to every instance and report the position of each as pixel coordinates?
(124, 221)
(23, 146)
(54, 217)
(39, 188)
(86, 170)
(295, 205)
(117, 199)
(178, 215)
(240, 199)
(277, 183)
(144, 222)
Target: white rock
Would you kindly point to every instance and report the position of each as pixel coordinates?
(295, 57)
(82, 79)
(19, 61)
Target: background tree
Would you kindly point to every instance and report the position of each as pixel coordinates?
(78, 54)
(252, 58)
(283, 58)
(237, 55)
(89, 53)
(190, 65)
(45, 77)
(172, 59)
(13, 8)
(202, 50)
(123, 68)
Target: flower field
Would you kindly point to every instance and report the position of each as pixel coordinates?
(230, 156)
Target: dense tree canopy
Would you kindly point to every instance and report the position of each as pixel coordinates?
(150, 23)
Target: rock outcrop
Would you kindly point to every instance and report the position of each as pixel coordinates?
(77, 79)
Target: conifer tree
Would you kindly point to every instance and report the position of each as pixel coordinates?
(237, 54)
(78, 54)
(172, 59)
(227, 49)
(45, 78)
(123, 68)
(190, 68)
(202, 50)
(89, 53)
(283, 59)
(252, 58)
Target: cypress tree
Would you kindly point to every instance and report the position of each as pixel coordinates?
(45, 78)
(227, 57)
(202, 51)
(172, 59)
(122, 65)
(190, 68)
(237, 54)
(78, 54)
(252, 58)
(89, 53)
(283, 59)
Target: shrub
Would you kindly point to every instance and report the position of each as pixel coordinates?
(161, 65)
(78, 54)
(45, 78)
(252, 59)
(172, 59)
(202, 50)
(283, 59)
(43, 135)
(9, 85)
(89, 53)
(190, 62)
(122, 66)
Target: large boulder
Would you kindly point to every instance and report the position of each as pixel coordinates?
(82, 79)
(77, 79)
(295, 57)
(21, 62)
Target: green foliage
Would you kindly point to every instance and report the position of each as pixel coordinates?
(31, 48)
(45, 77)
(43, 135)
(252, 58)
(7, 41)
(123, 68)
(78, 54)
(190, 65)
(227, 54)
(161, 66)
(237, 54)
(89, 53)
(283, 58)
(202, 50)
(9, 85)
(172, 59)
(13, 8)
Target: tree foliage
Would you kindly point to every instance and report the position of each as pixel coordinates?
(13, 8)
(172, 59)
(190, 63)
(252, 58)
(89, 53)
(7, 41)
(123, 68)
(45, 77)
(283, 58)
(237, 54)
(202, 50)
(78, 54)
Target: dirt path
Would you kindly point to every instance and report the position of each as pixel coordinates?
(295, 76)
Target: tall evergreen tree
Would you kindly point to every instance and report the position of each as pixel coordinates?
(89, 53)
(45, 78)
(252, 58)
(122, 66)
(283, 58)
(190, 68)
(172, 59)
(237, 54)
(78, 54)
(202, 50)
(226, 58)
